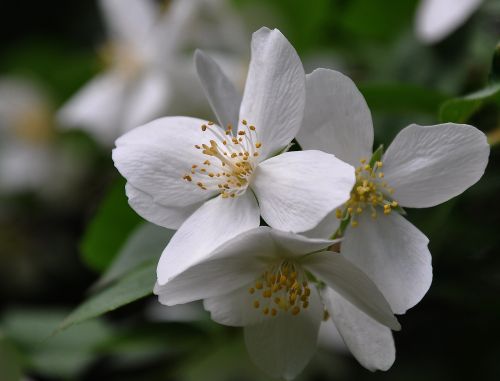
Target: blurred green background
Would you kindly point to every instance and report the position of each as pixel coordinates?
(53, 250)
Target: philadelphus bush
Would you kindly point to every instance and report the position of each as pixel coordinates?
(214, 181)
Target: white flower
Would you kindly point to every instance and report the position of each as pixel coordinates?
(423, 167)
(148, 71)
(32, 159)
(280, 286)
(436, 19)
(26, 154)
(212, 182)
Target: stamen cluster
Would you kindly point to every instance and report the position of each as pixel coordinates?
(282, 288)
(232, 160)
(369, 192)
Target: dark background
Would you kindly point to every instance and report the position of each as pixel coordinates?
(453, 334)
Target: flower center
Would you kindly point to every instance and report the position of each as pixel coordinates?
(369, 192)
(127, 61)
(282, 288)
(34, 125)
(230, 160)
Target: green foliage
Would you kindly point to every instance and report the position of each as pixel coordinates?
(400, 98)
(144, 245)
(136, 285)
(130, 277)
(109, 229)
(460, 110)
(63, 70)
(64, 355)
(380, 19)
(10, 361)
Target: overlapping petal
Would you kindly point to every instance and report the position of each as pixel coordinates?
(296, 190)
(220, 91)
(337, 119)
(233, 309)
(274, 95)
(215, 222)
(155, 157)
(369, 341)
(353, 284)
(170, 217)
(148, 100)
(283, 345)
(428, 165)
(97, 106)
(394, 254)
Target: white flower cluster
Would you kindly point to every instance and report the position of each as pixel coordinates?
(336, 246)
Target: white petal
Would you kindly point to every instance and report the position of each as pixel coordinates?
(97, 107)
(293, 245)
(233, 264)
(148, 100)
(394, 254)
(428, 165)
(326, 228)
(274, 94)
(337, 119)
(214, 223)
(129, 21)
(167, 216)
(436, 19)
(353, 284)
(370, 342)
(233, 309)
(283, 345)
(220, 91)
(296, 190)
(329, 337)
(155, 157)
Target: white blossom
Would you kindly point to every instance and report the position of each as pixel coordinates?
(148, 71)
(280, 286)
(26, 151)
(212, 182)
(424, 166)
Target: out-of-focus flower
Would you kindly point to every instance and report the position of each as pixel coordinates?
(150, 71)
(277, 285)
(423, 167)
(26, 154)
(436, 19)
(213, 182)
(31, 157)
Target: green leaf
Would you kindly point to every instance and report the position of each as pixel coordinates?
(10, 361)
(144, 245)
(401, 98)
(134, 286)
(371, 19)
(460, 110)
(109, 229)
(62, 356)
(494, 76)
